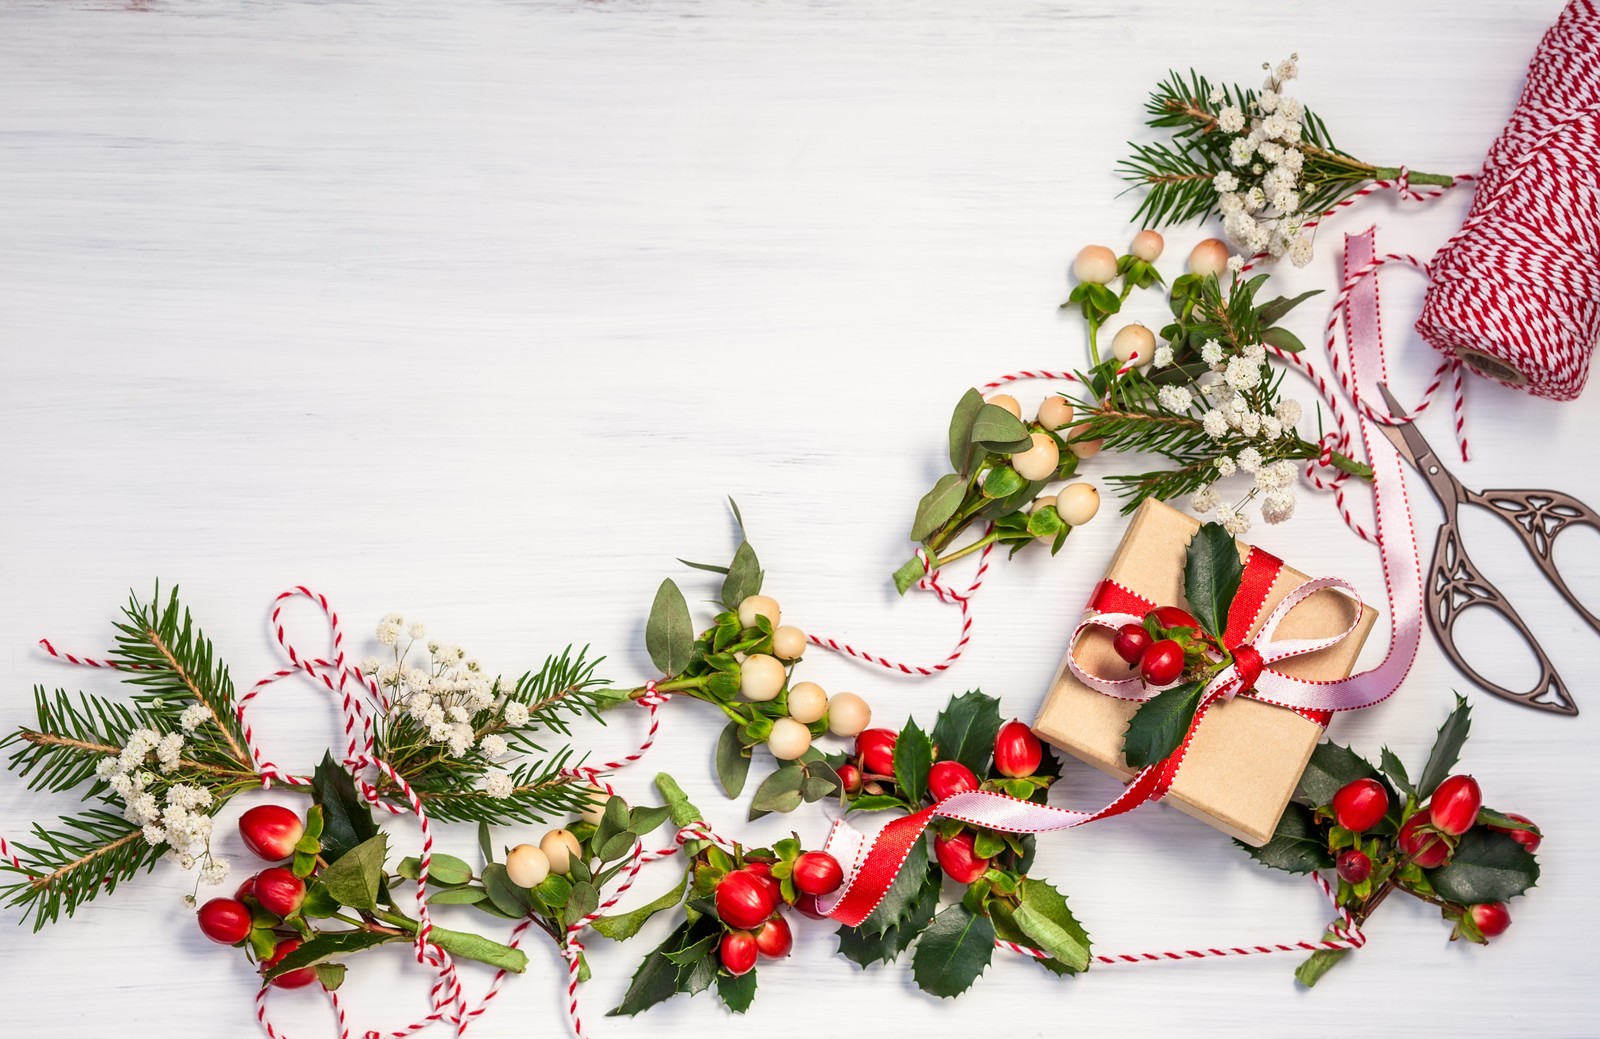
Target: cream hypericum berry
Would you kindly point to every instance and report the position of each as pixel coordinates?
(594, 805)
(1054, 412)
(1039, 461)
(808, 702)
(788, 739)
(1007, 401)
(761, 677)
(1095, 263)
(1086, 448)
(788, 642)
(759, 605)
(1134, 345)
(1209, 257)
(1077, 503)
(527, 866)
(848, 714)
(561, 848)
(1147, 246)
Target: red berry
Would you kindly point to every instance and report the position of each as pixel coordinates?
(1425, 847)
(1130, 642)
(774, 940)
(744, 899)
(1016, 750)
(1455, 805)
(764, 871)
(957, 857)
(948, 778)
(817, 873)
(271, 831)
(1360, 804)
(225, 920)
(850, 778)
(875, 747)
(295, 978)
(247, 889)
(279, 891)
(1492, 918)
(1162, 663)
(1172, 617)
(738, 952)
(1354, 866)
(1527, 838)
(807, 905)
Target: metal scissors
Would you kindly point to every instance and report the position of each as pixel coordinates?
(1454, 584)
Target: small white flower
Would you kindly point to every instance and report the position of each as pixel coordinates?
(1238, 524)
(1225, 182)
(121, 785)
(106, 767)
(1225, 465)
(1230, 203)
(1300, 250)
(461, 738)
(1267, 101)
(370, 666)
(1230, 119)
(1255, 199)
(1211, 352)
(1174, 398)
(516, 713)
(1235, 264)
(1204, 500)
(1292, 109)
(143, 809)
(440, 732)
(215, 871)
(1225, 515)
(1271, 428)
(497, 784)
(389, 675)
(1278, 506)
(1243, 373)
(493, 745)
(170, 750)
(457, 713)
(194, 716)
(416, 631)
(1216, 424)
(388, 633)
(1240, 151)
(188, 796)
(1163, 357)
(1250, 424)
(1249, 459)
(1253, 352)
(154, 834)
(417, 678)
(1288, 412)
(1287, 69)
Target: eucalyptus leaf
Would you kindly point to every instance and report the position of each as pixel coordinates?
(744, 577)
(613, 820)
(669, 633)
(1283, 339)
(1273, 310)
(937, 506)
(1319, 963)
(443, 870)
(458, 896)
(507, 897)
(1211, 576)
(357, 877)
(554, 890)
(996, 429)
(1159, 725)
(780, 792)
(961, 421)
(582, 901)
(645, 818)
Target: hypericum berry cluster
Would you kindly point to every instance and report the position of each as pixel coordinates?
(750, 890)
(265, 910)
(1167, 646)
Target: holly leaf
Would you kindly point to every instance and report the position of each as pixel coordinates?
(938, 505)
(1487, 867)
(863, 947)
(954, 950)
(1159, 725)
(779, 792)
(996, 429)
(1006, 929)
(744, 577)
(1330, 768)
(913, 757)
(1391, 767)
(625, 925)
(1446, 748)
(357, 877)
(669, 633)
(961, 421)
(1318, 964)
(1296, 847)
(733, 765)
(657, 977)
(901, 898)
(965, 730)
(330, 945)
(1211, 576)
(1044, 917)
(737, 991)
(346, 818)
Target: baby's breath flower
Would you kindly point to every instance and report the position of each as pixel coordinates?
(1174, 398)
(493, 746)
(106, 767)
(1288, 412)
(498, 784)
(1225, 465)
(1211, 352)
(1278, 506)
(1300, 250)
(1243, 373)
(416, 631)
(1267, 100)
(1249, 459)
(1235, 264)
(1215, 424)
(1250, 424)
(1271, 428)
(1204, 500)
(1287, 69)
(1225, 182)
(516, 713)
(388, 632)
(194, 716)
(1230, 119)
(215, 871)
(1237, 524)
(170, 751)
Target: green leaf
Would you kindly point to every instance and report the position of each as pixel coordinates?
(865, 947)
(444, 870)
(1002, 482)
(507, 897)
(645, 818)
(613, 820)
(710, 568)
(1446, 748)
(966, 729)
(319, 904)
(1297, 846)
(996, 429)
(330, 975)
(1159, 725)
(961, 421)
(737, 991)
(876, 803)
(346, 818)
(1490, 817)
(953, 951)
(458, 896)
(669, 633)
(1318, 964)
(780, 792)
(657, 977)
(554, 891)
(356, 878)
(623, 926)
(904, 891)
(1283, 339)
(938, 505)
(1331, 767)
(328, 946)
(485, 843)
(1273, 310)
(913, 757)
(582, 901)
(744, 577)
(1486, 867)
(1044, 916)
(1211, 576)
(1391, 767)
(683, 810)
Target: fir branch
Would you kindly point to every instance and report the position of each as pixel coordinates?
(562, 689)
(71, 738)
(539, 792)
(79, 858)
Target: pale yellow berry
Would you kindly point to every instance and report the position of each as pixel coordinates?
(1209, 257)
(1086, 448)
(1147, 246)
(1043, 501)
(1055, 412)
(788, 739)
(527, 866)
(758, 605)
(1095, 263)
(760, 677)
(1039, 461)
(788, 642)
(807, 702)
(561, 848)
(1007, 401)
(1077, 503)
(594, 805)
(1134, 345)
(848, 714)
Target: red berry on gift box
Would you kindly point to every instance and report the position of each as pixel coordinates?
(279, 891)
(1425, 847)
(295, 978)
(850, 778)
(1172, 617)
(744, 899)
(1130, 642)
(948, 778)
(1162, 663)
(1455, 805)
(1360, 804)
(1016, 750)
(225, 920)
(958, 858)
(774, 940)
(875, 747)
(271, 831)
(1527, 838)
(817, 873)
(1354, 866)
(738, 952)
(1492, 918)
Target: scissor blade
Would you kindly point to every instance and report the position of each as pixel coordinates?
(1405, 437)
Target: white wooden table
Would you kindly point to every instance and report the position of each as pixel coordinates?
(476, 311)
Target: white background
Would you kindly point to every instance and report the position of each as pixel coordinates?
(476, 311)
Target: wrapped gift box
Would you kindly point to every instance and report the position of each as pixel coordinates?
(1246, 756)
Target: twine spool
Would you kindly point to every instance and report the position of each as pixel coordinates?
(1515, 293)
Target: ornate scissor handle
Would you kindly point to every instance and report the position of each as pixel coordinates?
(1540, 517)
(1455, 586)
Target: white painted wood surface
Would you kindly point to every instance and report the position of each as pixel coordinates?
(477, 310)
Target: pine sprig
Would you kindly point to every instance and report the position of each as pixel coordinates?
(563, 689)
(70, 738)
(539, 791)
(80, 857)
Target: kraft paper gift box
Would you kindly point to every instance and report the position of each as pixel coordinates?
(1246, 756)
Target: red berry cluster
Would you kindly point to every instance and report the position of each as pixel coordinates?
(748, 900)
(1163, 646)
(257, 912)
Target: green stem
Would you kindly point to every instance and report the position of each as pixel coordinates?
(1094, 348)
(460, 943)
(966, 550)
(1438, 180)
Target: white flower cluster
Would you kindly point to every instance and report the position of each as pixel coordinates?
(1260, 203)
(179, 821)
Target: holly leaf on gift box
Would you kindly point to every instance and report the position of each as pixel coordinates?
(954, 950)
(1297, 846)
(965, 730)
(1446, 748)
(1211, 576)
(1487, 867)
(1158, 726)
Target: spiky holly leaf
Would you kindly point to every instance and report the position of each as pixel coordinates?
(737, 992)
(1486, 867)
(346, 818)
(860, 946)
(954, 950)
(903, 891)
(1159, 725)
(1297, 846)
(1446, 748)
(1211, 576)
(1044, 916)
(913, 757)
(965, 730)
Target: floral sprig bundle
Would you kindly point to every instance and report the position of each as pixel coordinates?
(161, 764)
(1260, 158)
(1431, 838)
(1208, 398)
